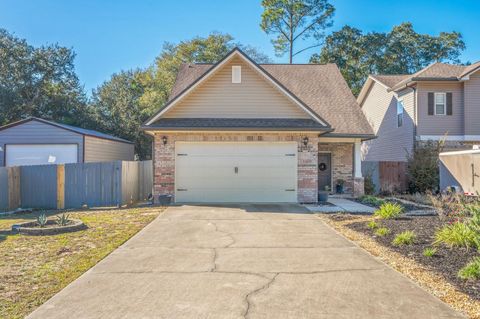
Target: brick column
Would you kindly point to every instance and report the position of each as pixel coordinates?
(307, 171)
(164, 170)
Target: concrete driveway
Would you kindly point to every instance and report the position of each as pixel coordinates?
(248, 261)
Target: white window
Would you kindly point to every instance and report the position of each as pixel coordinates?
(236, 74)
(440, 103)
(400, 108)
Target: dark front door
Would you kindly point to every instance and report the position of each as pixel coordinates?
(324, 171)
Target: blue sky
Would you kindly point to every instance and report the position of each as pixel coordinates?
(113, 35)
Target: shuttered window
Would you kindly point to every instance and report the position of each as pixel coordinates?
(440, 103)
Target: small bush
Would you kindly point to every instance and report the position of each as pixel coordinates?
(422, 167)
(372, 200)
(63, 220)
(372, 225)
(471, 270)
(405, 238)
(368, 185)
(429, 252)
(383, 231)
(388, 211)
(457, 235)
(42, 220)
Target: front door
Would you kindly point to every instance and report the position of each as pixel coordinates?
(324, 171)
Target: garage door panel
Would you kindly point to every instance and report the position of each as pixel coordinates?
(205, 172)
(40, 154)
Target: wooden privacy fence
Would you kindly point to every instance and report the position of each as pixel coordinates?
(74, 185)
(386, 176)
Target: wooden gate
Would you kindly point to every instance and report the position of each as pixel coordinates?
(393, 176)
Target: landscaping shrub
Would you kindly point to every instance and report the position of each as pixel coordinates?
(63, 220)
(457, 234)
(422, 167)
(471, 270)
(383, 231)
(429, 252)
(372, 225)
(388, 211)
(368, 185)
(42, 220)
(405, 238)
(371, 200)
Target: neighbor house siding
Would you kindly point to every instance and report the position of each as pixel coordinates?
(218, 97)
(103, 150)
(440, 124)
(392, 142)
(34, 132)
(472, 105)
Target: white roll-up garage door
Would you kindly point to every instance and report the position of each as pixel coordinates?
(39, 154)
(236, 172)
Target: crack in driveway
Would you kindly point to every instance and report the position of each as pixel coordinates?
(255, 292)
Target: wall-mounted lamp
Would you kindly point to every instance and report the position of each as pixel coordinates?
(305, 140)
(164, 139)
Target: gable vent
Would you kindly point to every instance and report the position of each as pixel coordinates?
(236, 74)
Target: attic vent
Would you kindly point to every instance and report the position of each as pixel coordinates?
(236, 74)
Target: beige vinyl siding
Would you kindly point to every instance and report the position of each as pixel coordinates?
(218, 97)
(440, 124)
(472, 105)
(102, 150)
(392, 142)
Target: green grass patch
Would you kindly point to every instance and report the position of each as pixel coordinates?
(457, 235)
(388, 211)
(371, 200)
(471, 270)
(382, 231)
(429, 252)
(34, 268)
(405, 238)
(372, 225)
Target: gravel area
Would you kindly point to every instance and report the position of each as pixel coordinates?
(435, 274)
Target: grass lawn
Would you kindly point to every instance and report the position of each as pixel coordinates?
(34, 268)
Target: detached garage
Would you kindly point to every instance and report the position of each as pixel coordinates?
(35, 141)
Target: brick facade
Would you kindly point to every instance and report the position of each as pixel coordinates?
(307, 173)
(342, 163)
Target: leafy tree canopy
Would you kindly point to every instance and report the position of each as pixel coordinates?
(400, 51)
(293, 20)
(38, 82)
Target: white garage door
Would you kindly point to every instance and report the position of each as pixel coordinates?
(236, 172)
(39, 154)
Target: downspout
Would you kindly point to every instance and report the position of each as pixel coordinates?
(414, 117)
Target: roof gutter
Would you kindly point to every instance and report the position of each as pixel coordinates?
(236, 129)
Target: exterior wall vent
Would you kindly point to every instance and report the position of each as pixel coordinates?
(236, 74)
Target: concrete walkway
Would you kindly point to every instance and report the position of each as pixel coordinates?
(341, 205)
(249, 261)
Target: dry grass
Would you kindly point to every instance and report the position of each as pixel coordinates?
(430, 281)
(34, 268)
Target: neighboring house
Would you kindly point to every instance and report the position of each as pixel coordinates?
(439, 102)
(35, 141)
(237, 131)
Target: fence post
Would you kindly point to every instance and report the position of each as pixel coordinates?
(60, 186)
(14, 200)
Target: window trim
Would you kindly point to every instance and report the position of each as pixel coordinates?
(403, 111)
(444, 103)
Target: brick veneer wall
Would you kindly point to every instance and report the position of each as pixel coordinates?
(307, 174)
(342, 163)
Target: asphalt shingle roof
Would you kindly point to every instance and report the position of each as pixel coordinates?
(321, 87)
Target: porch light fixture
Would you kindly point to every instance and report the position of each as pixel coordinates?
(305, 140)
(164, 139)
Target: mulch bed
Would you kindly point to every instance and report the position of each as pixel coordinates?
(406, 206)
(447, 261)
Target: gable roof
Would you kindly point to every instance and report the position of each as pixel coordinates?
(74, 129)
(434, 72)
(321, 89)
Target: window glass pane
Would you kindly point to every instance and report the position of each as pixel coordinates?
(399, 107)
(440, 98)
(440, 108)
